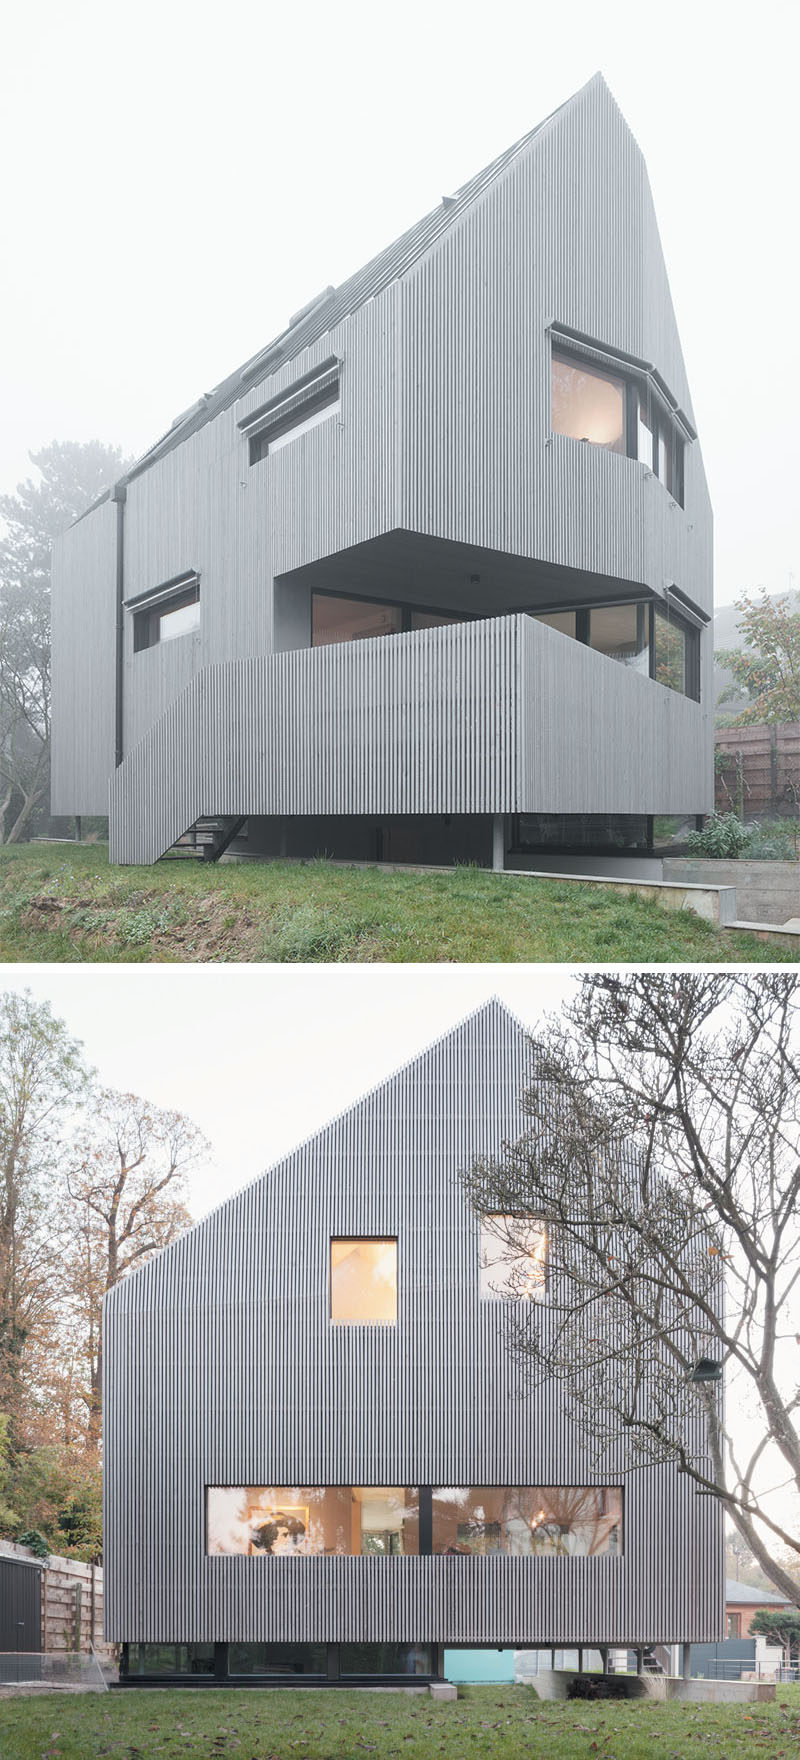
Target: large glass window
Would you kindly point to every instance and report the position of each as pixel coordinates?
(277, 1659)
(363, 1282)
(357, 1659)
(588, 404)
(565, 621)
(513, 1258)
(160, 1659)
(335, 619)
(530, 1521)
(330, 1520)
(621, 632)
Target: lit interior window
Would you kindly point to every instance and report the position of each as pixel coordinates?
(285, 1521)
(364, 1281)
(572, 1521)
(588, 405)
(513, 1258)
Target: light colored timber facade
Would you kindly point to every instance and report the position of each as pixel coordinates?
(299, 1486)
(430, 577)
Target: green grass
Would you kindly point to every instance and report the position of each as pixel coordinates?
(503, 1722)
(59, 902)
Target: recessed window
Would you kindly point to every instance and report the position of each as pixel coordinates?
(734, 1625)
(336, 619)
(619, 411)
(170, 611)
(311, 400)
(673, 647)
(269, 1521)
(621, 632)
(572, 1521)
(513, 1258)
(588, 404)
(364, 1282)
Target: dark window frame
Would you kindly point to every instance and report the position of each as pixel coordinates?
(637, 386)
(404, 607)
(645, 623)
(148, 613)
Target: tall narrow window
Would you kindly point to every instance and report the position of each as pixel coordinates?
(364, 1282)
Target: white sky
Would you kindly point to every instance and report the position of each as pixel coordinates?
(261, 1056)
(178, 178)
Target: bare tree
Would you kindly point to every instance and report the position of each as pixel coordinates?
(662, 1161)
(127, 1185)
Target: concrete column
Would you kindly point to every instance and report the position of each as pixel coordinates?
(639, 1654)
(498, 843)
(604, 1658)
(580, 1660)
(686, 1661)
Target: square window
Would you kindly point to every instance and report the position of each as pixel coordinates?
(364, 1282)
(513, 1258)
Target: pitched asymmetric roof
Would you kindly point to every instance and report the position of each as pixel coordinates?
(330, 307)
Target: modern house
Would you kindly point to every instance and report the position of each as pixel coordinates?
(429, 578)
(320, 1463)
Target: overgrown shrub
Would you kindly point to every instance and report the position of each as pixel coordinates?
(723, 836)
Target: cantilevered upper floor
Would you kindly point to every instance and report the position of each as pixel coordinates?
(491, 418)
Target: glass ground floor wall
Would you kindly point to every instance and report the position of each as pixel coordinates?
(244, 1664)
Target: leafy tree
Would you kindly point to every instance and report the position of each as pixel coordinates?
(127, 1185)
(73, 475)
(767, 667)
(662, 1163)
(41, 1074)
(780, 1625)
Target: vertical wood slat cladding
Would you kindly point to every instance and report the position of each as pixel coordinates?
(84, 613)
(222, 1367)
(501, 716)
(444, 430)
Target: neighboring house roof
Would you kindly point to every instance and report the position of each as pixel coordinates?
(744, 1595)
(330, 307)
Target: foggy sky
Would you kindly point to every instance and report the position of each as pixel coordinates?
(179, 178)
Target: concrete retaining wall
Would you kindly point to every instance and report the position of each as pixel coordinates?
(766, 892)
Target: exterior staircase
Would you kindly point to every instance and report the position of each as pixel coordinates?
(206, 840)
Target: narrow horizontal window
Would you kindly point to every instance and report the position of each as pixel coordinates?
(364, 1281)
(166, 614)
(295, 412)
(330, 1520)
(513, 1258)
(571, 1521)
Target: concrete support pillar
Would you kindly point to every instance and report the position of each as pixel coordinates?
(498, 843)
(639, 1654)
(604, 1658)
(580, 1660)
(686, 1661)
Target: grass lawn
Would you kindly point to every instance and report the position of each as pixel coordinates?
(305, 1725)
(59, 902)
